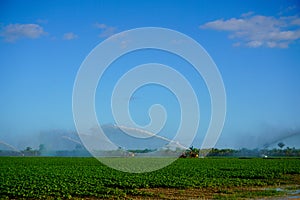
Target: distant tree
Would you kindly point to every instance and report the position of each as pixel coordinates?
(78, 147)
(42, 147)
(28, 149)
(281, 145)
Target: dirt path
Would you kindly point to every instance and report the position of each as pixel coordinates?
(286, 192)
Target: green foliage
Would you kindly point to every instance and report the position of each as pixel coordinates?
(281, 145)
(66, 178)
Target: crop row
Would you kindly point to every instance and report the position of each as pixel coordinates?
(24, 177)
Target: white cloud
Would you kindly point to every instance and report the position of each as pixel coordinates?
(258, 30)
(14, 32)
(106, 31)
(296, 21)
(247, 14)
(70, 36)
(101, 26)
(254, 43)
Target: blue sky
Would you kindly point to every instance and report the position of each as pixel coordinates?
(255, 45)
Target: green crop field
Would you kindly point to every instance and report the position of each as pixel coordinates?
(80, 178)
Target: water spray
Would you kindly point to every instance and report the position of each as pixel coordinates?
(71, 139)
(137, 130)
(11, 147)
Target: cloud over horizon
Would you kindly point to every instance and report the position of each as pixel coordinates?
(259, 31)
(14, 32)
